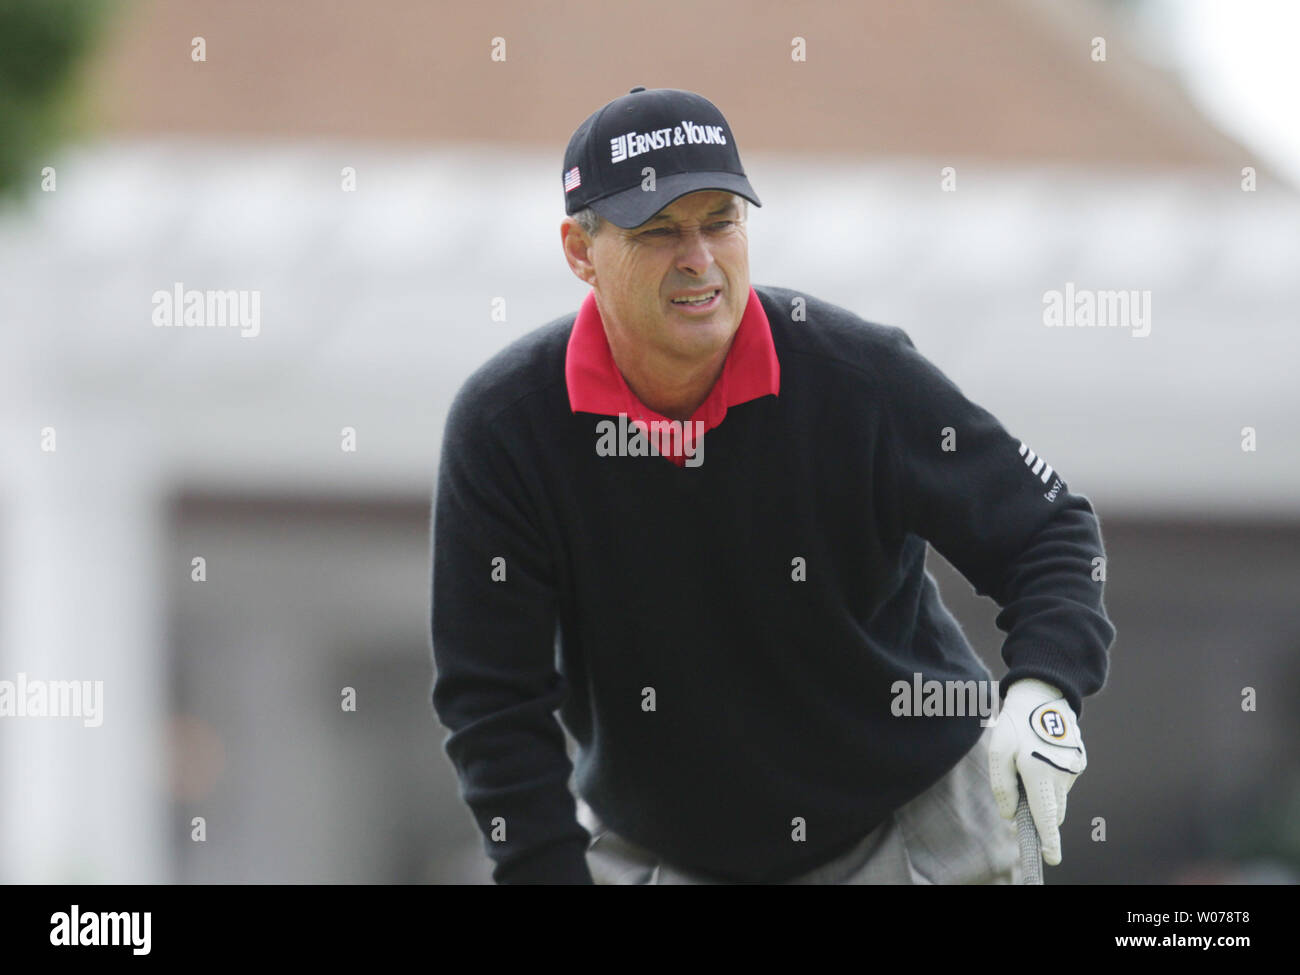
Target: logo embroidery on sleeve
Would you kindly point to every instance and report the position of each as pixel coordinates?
(1041, 468)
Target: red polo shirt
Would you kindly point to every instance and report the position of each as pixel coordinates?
(595, 384)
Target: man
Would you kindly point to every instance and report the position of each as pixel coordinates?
(729, 635)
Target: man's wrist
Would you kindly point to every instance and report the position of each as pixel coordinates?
(1036, 687)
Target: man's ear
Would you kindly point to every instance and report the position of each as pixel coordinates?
(577, 250)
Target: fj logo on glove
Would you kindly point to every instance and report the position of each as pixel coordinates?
(1053, 723)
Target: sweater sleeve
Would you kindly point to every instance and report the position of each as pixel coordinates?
(1006, 520)
(496, 686)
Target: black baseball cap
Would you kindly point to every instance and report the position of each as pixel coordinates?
(681, 135)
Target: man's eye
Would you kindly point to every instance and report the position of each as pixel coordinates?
(657, 232)
(722, 225)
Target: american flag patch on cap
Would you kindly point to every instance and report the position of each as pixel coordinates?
(572, 180)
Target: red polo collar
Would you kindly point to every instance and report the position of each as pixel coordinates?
(595, 384)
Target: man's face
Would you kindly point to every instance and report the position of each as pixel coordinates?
(695, 245)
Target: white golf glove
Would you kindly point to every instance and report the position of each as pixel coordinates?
(1037, 735)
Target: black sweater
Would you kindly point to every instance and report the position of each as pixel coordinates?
(719, 695)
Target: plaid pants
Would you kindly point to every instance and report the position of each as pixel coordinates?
(949, 834)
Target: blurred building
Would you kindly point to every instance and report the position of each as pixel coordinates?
(223, 696)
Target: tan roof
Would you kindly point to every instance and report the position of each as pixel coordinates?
(998, 79)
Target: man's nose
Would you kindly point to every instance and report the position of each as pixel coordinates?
(694, 254)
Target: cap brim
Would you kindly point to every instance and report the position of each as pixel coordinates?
(633, 207)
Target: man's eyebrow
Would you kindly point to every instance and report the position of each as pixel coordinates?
(728, 207)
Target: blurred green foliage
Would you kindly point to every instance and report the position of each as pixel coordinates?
(42, 44)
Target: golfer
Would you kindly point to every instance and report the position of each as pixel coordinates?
(692, 519)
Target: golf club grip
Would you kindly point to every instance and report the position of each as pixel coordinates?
(1031, 854)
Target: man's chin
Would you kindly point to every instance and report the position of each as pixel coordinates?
(699, 336)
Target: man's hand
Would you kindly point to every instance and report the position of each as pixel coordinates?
(1037, 735)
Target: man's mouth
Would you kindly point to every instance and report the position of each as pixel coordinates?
(698, 301)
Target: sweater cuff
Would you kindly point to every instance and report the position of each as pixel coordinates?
(1050, 675)
(563, 863)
